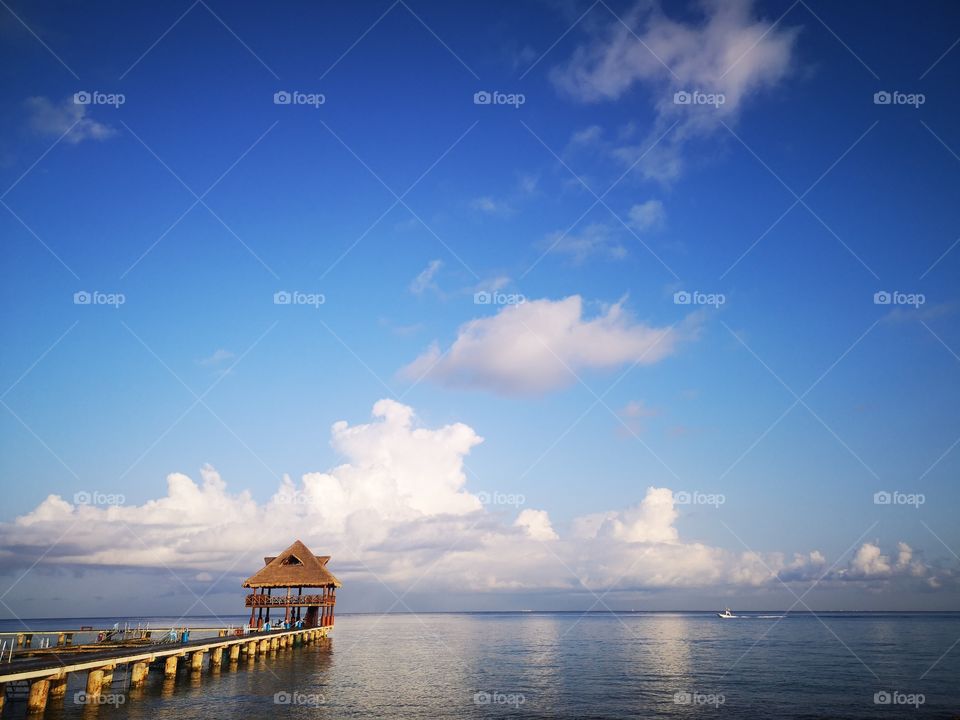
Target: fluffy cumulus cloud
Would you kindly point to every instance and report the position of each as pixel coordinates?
(398, 510)
(727, 51)
(541, 345)
(67, 118)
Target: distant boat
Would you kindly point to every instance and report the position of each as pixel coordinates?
(726, 614)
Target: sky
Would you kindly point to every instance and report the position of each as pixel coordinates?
(538, 305)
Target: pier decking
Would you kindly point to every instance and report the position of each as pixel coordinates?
(47, 676)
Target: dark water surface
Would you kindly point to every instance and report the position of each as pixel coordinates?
(568, 665)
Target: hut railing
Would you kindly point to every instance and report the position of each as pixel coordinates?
(258, 600)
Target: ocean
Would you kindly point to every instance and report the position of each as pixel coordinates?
(566, 665)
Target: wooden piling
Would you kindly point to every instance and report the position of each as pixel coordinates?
(170, 667)
(196, 661)
(138, 673)
(58, 686)
(234, 652)
(216, 657)
(94, 682)
(37, 700)
(3, 695)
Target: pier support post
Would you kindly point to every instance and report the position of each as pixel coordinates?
(3, 695)
(108, 676)
(37, 700)
(170, 667)
(235, 652)
(94, 682)
(216, 657)
(58, 686)
(196, 661)
(252, 648)
(138, 673)
(264, 646)
(274, 643)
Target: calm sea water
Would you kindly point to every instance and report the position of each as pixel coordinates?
(569, 665)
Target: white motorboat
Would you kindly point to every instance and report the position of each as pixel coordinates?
(726, 614)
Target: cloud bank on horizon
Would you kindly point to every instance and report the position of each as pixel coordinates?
(399, 507)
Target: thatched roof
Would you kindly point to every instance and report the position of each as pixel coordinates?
(294, 567)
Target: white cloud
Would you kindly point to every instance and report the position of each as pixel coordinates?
(424, 281)
(220, 355)
(537, 524)
(489, 205)
(53, 120)
(728, 51)
(594, 239)
(539, 345)
(647, 215)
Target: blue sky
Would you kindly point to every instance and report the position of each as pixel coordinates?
(796, 200)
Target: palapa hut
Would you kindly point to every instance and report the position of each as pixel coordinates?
(295, 568)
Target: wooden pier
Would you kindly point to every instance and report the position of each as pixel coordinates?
(47, 676)
(306, 618)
